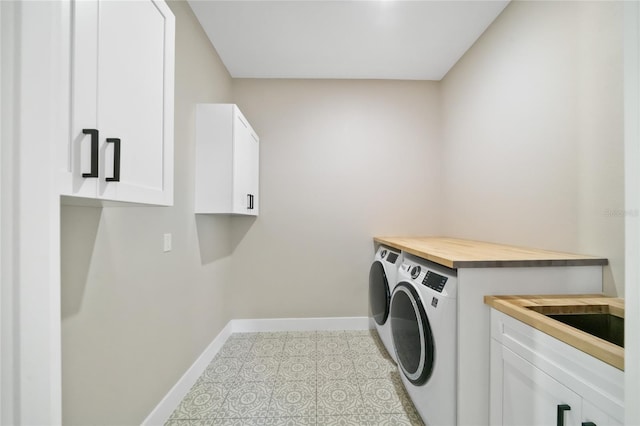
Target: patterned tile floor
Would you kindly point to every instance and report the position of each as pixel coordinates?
(299, 378)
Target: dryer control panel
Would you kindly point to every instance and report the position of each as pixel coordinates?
(434, 281)
(390, 256)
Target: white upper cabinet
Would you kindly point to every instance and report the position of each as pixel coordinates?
(227, 161)
(122, 77)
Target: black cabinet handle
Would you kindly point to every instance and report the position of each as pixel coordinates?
(588, 424)
(116, 160)
(250, 201)
(94, 153)
(561, 409)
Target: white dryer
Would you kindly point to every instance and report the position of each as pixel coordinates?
(423, 327)
(382, 280)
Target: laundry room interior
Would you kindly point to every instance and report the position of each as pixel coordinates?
(519, 140)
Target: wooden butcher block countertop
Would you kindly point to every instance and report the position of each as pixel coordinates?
(457, 253)
(531, 310)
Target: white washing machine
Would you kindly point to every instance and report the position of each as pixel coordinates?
(382, 279)
(423, 327)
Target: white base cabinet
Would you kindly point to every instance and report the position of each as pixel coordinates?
(538, 380)
(227, 161)
(120, 145)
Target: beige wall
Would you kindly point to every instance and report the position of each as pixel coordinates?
(135, 318)
(341, 161)
(532, 132)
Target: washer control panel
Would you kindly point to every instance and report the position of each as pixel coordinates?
(434, 281)
(436, 278)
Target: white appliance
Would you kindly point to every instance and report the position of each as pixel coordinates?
(423, 317)
(382, 280)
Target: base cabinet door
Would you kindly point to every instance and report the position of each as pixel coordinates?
(592, 415)
(533, 398)
(122, 73)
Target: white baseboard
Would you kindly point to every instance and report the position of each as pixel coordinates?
(300, 324)
(163, 410)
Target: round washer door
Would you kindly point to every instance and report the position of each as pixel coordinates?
(379, 295)
(412, 336)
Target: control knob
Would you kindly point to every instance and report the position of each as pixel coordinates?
(415, 272)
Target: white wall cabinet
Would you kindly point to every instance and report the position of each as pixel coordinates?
(539, 380)
(121, 101)
(227, 161)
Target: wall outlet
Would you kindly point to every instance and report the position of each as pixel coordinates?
(167, 242)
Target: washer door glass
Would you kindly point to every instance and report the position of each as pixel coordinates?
(379, 295)
(412, 337)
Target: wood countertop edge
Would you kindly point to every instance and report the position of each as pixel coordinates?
(544, 258)
(428, 256)
(516, 307)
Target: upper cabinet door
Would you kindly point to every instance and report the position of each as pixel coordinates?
(122, 86)
(255, 172)
(245, 164)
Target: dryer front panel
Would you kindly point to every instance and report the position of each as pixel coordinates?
(379, 295)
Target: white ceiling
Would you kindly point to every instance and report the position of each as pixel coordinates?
(384, 39)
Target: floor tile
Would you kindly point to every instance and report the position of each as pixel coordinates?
(235, 348)
(267, 347)
(347, 420)
(288, 421)
(380, 396)
(363, 345)
(409, 408)
(299, 346)
(293, 399)
(335, 367)
(297, 368)
(232, 422)
(202, 401)
(302, 334)
(337, 397)
(351, 333)
(382, 348)
(332, 345)
(299, 378)
(368, 420)
(250, 399)
(331, 333)
(282, 335)
(373, 366)
(182, 422)
(222, 370)
(246, 336)
(259, 369)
